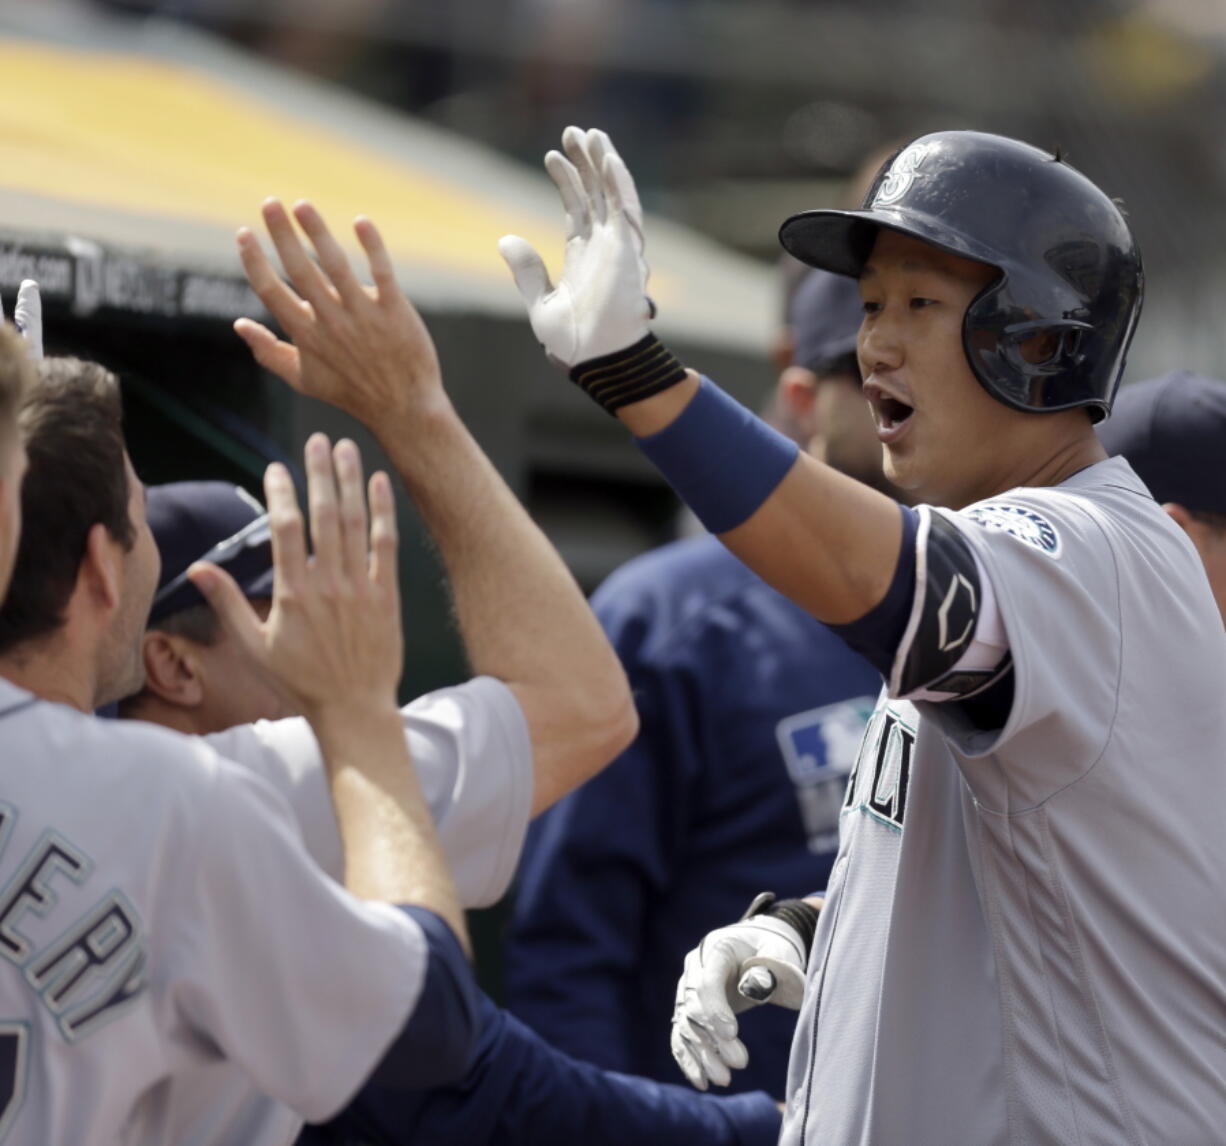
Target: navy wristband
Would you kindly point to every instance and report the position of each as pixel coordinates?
(722, 460)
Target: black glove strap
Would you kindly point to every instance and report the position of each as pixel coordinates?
(630, 375)
(797, 913)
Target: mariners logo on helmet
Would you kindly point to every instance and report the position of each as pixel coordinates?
(898, 179)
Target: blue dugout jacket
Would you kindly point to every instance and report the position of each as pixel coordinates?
(521, 1092)
(751, 713)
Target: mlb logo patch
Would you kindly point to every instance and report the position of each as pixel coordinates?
(819, 748)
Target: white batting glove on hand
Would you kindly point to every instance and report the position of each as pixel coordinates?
(758, 960)
(28, 316)
(599, 306)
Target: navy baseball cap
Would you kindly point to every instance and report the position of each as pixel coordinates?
(207, 521)
(1172, 430)
(825, 319)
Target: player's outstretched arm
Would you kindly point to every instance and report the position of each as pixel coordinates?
(333, 643)
(522, 617)
(826, 541)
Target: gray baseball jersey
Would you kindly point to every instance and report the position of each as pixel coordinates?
(471, 748)
(161, 923)
(1023, 940)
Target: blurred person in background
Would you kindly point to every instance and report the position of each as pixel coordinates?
(751, 715)
(1172, 430)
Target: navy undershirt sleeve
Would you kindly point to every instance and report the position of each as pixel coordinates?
(520, 1091)
(439, 1039)
(877, 635)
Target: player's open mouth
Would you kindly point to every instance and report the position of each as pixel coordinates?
(889, 412)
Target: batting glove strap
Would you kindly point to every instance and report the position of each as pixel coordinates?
(798, 914)
(630, 375)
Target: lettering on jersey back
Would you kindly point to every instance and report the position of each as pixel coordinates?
(33, 889)
(879, 782)
(96, 965)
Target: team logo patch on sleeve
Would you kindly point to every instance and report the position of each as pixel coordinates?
(1018, 521)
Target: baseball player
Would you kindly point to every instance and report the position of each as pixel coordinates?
(517, 1089)
(485, 749)
(751, 714)
(160, 916)
(1020, 940)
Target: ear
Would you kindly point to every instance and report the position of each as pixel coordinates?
(797, 396)
(172, 670)
(101, 570)
(1180, 517)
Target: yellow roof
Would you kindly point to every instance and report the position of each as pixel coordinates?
(138, 149)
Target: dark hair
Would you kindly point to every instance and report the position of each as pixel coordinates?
(197, 623)
(72, 422)
(16, 379)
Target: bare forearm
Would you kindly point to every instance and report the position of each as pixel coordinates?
(821, 538)
(391, 848)
(522, 616)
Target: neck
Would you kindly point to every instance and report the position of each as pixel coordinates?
(52, 670)
(153, 710)
(1071, 454)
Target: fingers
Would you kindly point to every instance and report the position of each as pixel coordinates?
(527, 268)
(288, 533)
(324, 510)
(28, 316)
(622, 196)
(281, 302)
(575, 145)
(382, 271)
(270, 351)
(703, 1058)
(706, 1001)
(348, 463)
(303, 274)
(687, 1061)
(617, 177)
(331, 257)
(574, 199)
(384, 539)
(229, 604)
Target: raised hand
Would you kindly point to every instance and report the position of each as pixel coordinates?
(600, 304)
(28, 316)
(362, 348)
(333, 640)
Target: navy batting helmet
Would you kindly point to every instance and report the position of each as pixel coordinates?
(1069, 267)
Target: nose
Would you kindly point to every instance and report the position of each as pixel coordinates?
(879, 346)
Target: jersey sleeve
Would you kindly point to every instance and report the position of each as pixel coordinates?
(473, 753)
(273, 963)
(1053, 576)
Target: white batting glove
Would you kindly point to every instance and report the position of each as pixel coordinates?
(28, 316)
(600, 304)
(758, 960)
